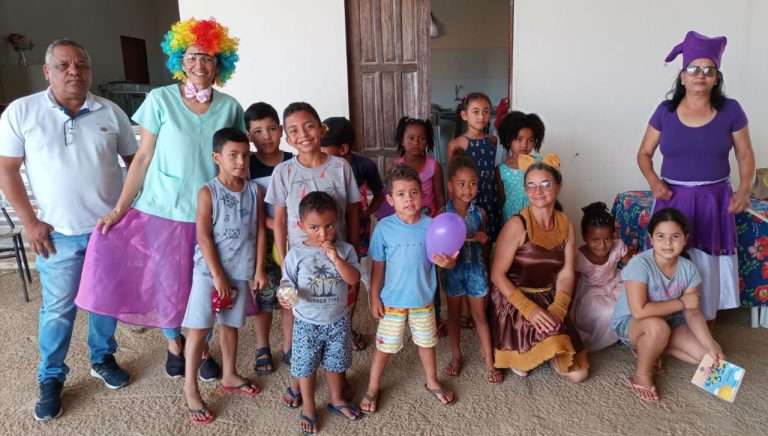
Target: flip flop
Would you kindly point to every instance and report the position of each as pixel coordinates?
(371, 400)
(357, 341)
(294, 396)
(453, 370)
(337, 410)
(242, 388)
(287, 356)
(201, 411)
(493, 374)
(658, 365)
(263, 361)
(441, 392)
(637, 388)
(311, 421)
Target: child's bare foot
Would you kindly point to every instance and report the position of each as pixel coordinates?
(642, 385)
(446, 397)
(369, 403)
(494, 375)
(454, 367)
(241, 385)
(292, 398)
(308, 424)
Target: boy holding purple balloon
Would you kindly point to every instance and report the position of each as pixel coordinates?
(403, 284)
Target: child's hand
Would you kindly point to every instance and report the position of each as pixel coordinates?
(260, 281)
(481, 237)
(631, 251)
(283, 302)
(329, 249)
(377, 308)
(223, 287)
(690, 300)
(444, 261)
(714, 350)
(544, 322)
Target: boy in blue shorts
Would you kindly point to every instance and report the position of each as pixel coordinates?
(403, 284)
(320, 269)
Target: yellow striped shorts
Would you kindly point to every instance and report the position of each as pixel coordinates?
(389, 336)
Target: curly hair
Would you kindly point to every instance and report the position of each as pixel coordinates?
(210, 36)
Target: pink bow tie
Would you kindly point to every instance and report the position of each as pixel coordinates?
(201, 96)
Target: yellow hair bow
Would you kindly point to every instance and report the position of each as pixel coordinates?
(526, 160)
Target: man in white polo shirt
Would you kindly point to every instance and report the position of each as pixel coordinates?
(69, 141)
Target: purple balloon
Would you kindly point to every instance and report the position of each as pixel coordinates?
(446, 234)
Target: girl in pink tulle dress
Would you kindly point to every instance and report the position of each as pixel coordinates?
(599, 282)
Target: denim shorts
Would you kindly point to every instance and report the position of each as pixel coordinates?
(622, 326)
(465, 280)
(328, 344)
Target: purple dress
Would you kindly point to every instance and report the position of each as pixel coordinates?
(696, 168)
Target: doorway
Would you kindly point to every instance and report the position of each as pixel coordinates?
(470, 53)
(135, 59)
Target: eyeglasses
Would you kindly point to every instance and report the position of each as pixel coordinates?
(695, 70)
(528, 141)
(190, 59)
(545, 186)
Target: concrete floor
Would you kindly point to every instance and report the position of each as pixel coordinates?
(540, 404)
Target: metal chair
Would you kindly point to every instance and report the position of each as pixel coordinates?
(16, 251)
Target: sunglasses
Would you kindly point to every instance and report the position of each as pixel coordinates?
(694, 71)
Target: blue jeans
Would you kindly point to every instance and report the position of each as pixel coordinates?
(60, 279)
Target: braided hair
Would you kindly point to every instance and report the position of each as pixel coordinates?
(596, 215)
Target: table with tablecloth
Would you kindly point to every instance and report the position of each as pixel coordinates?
(632, 210)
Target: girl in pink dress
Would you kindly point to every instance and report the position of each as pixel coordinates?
(415, 141)
(599, 282)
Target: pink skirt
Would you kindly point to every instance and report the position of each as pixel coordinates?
(140, 272)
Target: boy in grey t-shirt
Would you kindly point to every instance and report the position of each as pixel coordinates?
(321, 270)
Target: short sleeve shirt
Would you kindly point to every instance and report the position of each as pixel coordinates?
(291, 181)
(262, 174)
(409, 276)
(642, 268)
(182, 161)
(697, 153)
(366, 173)
(71, 163)
(322, 291)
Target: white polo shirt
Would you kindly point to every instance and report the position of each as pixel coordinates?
(72, 163)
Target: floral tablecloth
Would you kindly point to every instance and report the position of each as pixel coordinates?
(632, 210)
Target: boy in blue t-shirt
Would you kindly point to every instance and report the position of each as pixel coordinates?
(264, 131)
(320, 269)
(403, 284)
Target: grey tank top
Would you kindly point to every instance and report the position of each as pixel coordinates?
(234, 230)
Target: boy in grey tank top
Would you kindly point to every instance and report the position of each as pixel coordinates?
(229, 254)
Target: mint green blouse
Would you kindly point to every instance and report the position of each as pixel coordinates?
(182, 161)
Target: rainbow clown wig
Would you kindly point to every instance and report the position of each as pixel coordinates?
(210, 36)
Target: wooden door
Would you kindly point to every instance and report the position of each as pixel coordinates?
(388, 54)
(135, 59)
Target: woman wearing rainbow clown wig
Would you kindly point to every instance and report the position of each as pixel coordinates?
(139, 263)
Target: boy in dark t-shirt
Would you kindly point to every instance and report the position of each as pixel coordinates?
(339, 140)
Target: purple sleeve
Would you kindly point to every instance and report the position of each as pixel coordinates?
(658, 116)
(738, 116)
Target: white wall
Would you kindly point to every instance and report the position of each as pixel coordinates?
(594, 71)
(97, 25)
(289, 51)
(472, 50)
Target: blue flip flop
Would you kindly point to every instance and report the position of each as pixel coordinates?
(294, 396)
(287, 356)
(337, 410)
(312, 422)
